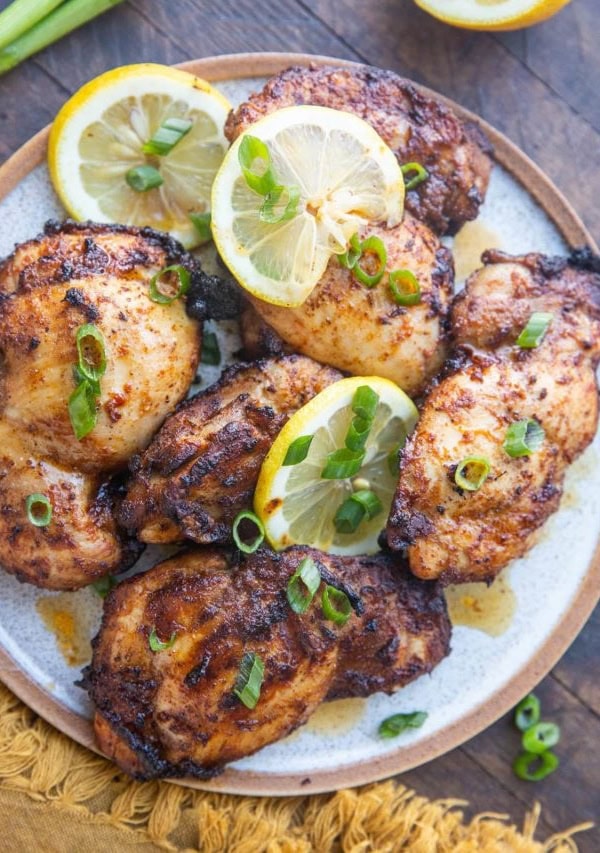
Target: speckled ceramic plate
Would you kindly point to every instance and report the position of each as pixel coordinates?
(535, 611)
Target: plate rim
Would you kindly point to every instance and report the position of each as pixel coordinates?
(560, 211)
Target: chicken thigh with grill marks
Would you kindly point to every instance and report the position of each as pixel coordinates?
(97, 276)
(460, 535)
(174, 712)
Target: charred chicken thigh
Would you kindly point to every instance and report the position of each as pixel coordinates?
(417, 127)
(98, 277)
(174, 711)
(457, 534)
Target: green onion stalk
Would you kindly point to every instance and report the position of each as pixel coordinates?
(28, 26)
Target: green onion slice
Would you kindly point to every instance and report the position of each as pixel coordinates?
(170, 295)
(348, 516)
(364, 402)
(523, 438)
(349, 258)
(472, 473)
(249, 680)
(358, 433)
(369, 501)
(527, 712)
(157, 645)
(298, 450)
(255, 160)
(398, 723)
(342, 464)
(82, 409)
(404, 287)
(336, 605)
(539, 737)
(39, 509)
(420, 174)
(91, 352)
(280, 204)
(248, 547)
(535, 330)
(171, 131)
(372, 247)
(80, 377)
(533, 767)
(143, 178)
(201, 222)
(306, 576)
(104, 585)
(211, 352)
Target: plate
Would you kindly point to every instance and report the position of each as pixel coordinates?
(552, 590)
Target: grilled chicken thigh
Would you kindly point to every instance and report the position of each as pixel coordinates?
(174, 712)
(75, 275)
(363, 330)
(459, 535)
(416, 126)
(201, 468)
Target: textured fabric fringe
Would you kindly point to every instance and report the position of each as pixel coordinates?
(386, 817)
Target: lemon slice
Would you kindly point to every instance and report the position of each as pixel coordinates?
(492, 14)
(346, 176)
(97, 137)
(296, 505)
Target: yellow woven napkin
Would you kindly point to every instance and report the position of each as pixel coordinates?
(57, 797)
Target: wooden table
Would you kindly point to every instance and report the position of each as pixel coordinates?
(542, 88)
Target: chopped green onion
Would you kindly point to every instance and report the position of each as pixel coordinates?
(280, 204)
(358, 433)
(348, 516)
(336, 605)
(421, 174)
(91, 352)
(298, 450)
(255, 160)
(342, 463)
(308, 575)
(171, 131)
(82, 409)
(472, 473)
(157, 645)
(535, 330)
(368, 500)
(249, 680)
(523, 438)
(104, 585)
(372, 246)
(143, 178)
(79, 377)
(539, 737)
(21, 15)
(404, 287)
(39, 509)
(398, 723)
(349, 258)
(364, 402)
(527, 712)
(158, 295)
(211, 352)
(201, 222)
(250, 547)
(533, 767)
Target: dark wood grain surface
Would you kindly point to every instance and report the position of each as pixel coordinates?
(541, 87)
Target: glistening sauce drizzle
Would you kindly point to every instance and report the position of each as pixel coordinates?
(486, 608)
(472, 239)
(71, 623)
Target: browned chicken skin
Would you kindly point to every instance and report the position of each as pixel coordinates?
(461, 536)
(417, 127)
(174, 712)
(201, 468)
(76, 274)
(362, 330)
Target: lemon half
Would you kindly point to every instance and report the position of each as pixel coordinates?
(97, 137)
(346, 177)
(298, 506)
(492, 14)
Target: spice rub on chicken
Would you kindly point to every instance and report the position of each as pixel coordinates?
(74, 303)
(416, 126)
(364, 330)
(490, 409)
(201, 468)
(177, 641)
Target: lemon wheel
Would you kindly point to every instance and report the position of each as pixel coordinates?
(297, 505)
(98, 138)
(492, 14)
